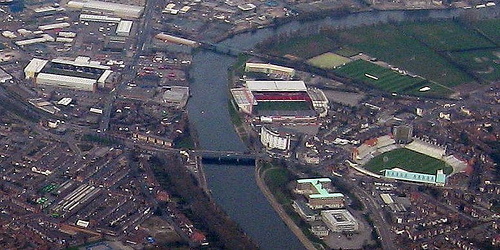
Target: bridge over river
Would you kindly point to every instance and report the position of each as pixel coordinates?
(227, 157)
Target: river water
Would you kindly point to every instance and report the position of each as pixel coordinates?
(234, 187)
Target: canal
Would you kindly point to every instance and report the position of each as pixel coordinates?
(234, 187)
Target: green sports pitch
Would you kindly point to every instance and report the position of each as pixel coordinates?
(390, 80)
(408, 160)
(328, 60)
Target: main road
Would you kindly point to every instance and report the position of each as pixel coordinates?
(130, 71)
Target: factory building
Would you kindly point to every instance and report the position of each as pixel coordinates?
(340, 220)
(79, 74)
(99, 7)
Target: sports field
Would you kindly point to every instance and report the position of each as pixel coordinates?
(328, 60)
(387, 79)
(284, 106)
(484, 64)
(389, 44)
(489, 28)
(408, 160)
(447, 36)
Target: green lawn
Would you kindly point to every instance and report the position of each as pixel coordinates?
(389, 44)
(447, 35)
(285, 106)
(328, 60)
(408, 160)
(483, 63)
(304, 47)
(490, 29)
(389, 80)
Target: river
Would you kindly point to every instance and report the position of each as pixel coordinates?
(234, 187)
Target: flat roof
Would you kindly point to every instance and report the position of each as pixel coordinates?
(35, 65)
(99, 18)
(339, 216)
(81, 63)
(54, 26)
(116, 8)
(269, 66)
(276, 85)
(124, 26)
(322, 192)
(74, 79)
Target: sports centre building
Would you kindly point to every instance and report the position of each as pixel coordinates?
(80, 74)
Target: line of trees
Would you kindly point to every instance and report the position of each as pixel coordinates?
(222, 231)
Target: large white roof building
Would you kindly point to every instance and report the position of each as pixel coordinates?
(263, 86)
(121, 10)
(71, 82)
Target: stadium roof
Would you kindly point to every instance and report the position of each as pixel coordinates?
(269, 66)
(401, 174)
(276, 86)
(81, 62)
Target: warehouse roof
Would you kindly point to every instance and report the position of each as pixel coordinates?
(124, 26)
(116, 8)
(35, 65)
(74, 79)
(276, 86)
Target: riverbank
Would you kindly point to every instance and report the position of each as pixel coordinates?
(259, 178)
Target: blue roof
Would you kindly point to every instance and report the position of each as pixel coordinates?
(401, 174)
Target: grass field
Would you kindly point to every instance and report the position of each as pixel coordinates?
(389, 44)
(328, 60)
(447, 36)
(304, 47)
(285, 106)
(408, 160)
(484, 63)
(388, 80)
(490, 29)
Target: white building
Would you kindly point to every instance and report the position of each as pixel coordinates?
(340, 220)
(276, 86)
(121, 10)
(34, 67)
(124, 28)
(80, 74)
(99, 18)
(63, 81)
(274, 140)
(244, 99)
(319, 100)
(269, 69)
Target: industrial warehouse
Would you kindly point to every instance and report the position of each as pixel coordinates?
(80, 74)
